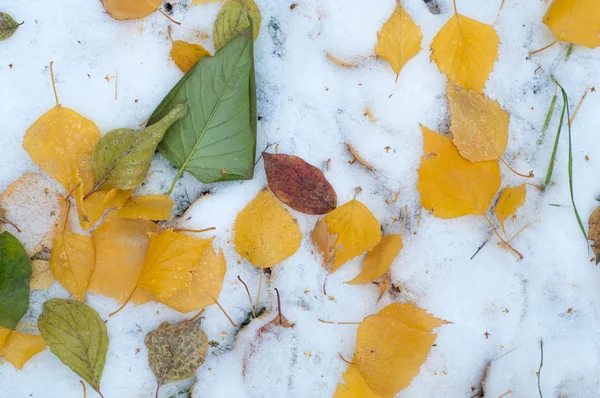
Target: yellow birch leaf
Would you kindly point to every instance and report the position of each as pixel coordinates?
(186, 54)
(203, 290)
(170, 258)
(72, 262)
(378, 261)
(41, 276)
(120, 246)
(20, 348)
(465, 50)
(265, 233)
(4, 333)
(508, 203)
(148, 207)
(479, 124)
(450, 185)
(575, 21)
(357, 231)
(130, 9)
(355, 386)
(390, 349)
(399, 40)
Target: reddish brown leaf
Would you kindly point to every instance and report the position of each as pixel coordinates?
(299, 185)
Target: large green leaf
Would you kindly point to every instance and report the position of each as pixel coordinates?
(77, 336)
(216, 140)
(8, 26)
(15, 271)
(233, 19)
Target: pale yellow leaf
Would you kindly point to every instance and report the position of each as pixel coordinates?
(72, 262)
(148, 207)
(378, 261)
(508, 203)
(41, 277)
(575, 21)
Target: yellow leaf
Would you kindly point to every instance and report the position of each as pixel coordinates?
(130, 9)
(20, 348)
(120, 246)
(575, 21)
(4, 333)
(198, 2)
(392, 345)
(450, 185)
(465, 50)
(378, 261)
(72, 262)
(510, 200)
(355, 386)
(41, 277)
(357, 231)
(203, 290)
(399, 40)
(148, 207)
(186, 54)
(169, 261)
(265, 233)
(479, 125)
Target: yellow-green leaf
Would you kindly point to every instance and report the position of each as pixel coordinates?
(232, 19)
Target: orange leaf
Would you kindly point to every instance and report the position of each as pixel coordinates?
(130, 9)
(186, 55)
(575, 21)
(20, 348)
(378, 261)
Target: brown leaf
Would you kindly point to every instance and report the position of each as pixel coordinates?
(299, 185)
(594, 232)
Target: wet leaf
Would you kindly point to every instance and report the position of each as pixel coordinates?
(265, 233)
(18, 348)
(15, 271)
(298, 184)
(41, 276)
(399, 40)
(148, 207)
(77, 336)
(72, 262)
(450, 185)
(479, 124)
(186, 55)
(575, 21)
(8, 26)
(122, 157)
(232, 19)
(508, 203)
(355, 385)
(594, 232)
(379, 260)
(130, 9)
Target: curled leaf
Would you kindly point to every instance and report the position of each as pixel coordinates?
(18, 348)
(378, 261)
(232, 19)
(148, 207)
(8, 26)
(15, 271)
(130, 9)
(508, 203)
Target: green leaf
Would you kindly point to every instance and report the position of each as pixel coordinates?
(122, 157)
(15, 271)
(232, 19)
(216, 140)
(77, 336)
(8, 26)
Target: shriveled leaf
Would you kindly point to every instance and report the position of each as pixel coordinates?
(148, 207)
(378, 261)
(122, 157)
(72, 262)
(130, 9)
(357, 156)
(450, 185)
(575, 21)
(8, 26)
(355, 385)
(479, 124)
(19, 348)
(265, 233)
(465, 50)
(357, 231)
(399, 40)
(77, 336)
(298, 184)
(186, 55)
(508, 203)
(176, 351)
(41, 276)
(15, 271)
(232, 19)
(594, 232)
(216, 140)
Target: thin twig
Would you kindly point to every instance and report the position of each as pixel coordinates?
(478, 249)
(249, 296)
(543, 48)
(279, 306)
(345, 360)
(338, 323)
(539, 372)
(577, 108)
(502, 239)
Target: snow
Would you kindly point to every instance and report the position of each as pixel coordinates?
(312, 108)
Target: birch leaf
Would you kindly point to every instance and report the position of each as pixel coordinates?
(130, 9)
(18, 348)
(41, 276)
(8, 26)
(355, 385)
(186, 55)
(508, 203)
(72, 262)
(15, 271)
(379, 260)
(148, 207)
(575, 21)
(232, 19)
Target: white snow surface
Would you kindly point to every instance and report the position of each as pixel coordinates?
(312, 108)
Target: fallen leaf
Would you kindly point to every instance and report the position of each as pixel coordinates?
(378, 261)
(479, 124)
(77, 335)
(265, 233)
(450, 185)
(186, 55)
(72, 262)
(130, 9)
(122, 157)
(148, 207)
(8, 26)
(15, 271)
(4, 333)
(575, 21)
(594, 232)
(324, 241)
(508, 203)
(298, 184)
(355, 386)
(392, 345)
(233, 18)
(18, 348)
(465, 50)
(357, 231)
(41, 276)
(399, 40)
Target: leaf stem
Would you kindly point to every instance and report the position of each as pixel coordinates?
(84, 389)
(124, 304)
(279, 306)
(194, 230)
(530, 175)
(539, 50)
(157, 389)
(502, 239)
(345, 360)
(338, 323)
(259, 286)
(172, 187)
(53, 84)
(249, 296)
(539, 372)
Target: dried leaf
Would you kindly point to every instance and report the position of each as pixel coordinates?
(77, 335)
(41, 276)
(399, 40)
(265, 233)
(148, 207)
(122, 157)
(379, 260)
(508, 203)
(354, 153)
(479, 125)
(186, 55)
(15, 271)
(465, 50)
(324, 241)
(130, 9)
(594, 232)
(450, 185)
(72, 262)
(355, 386)
(575, 21)
(232, 19)
(8, 26)
(298, 184)
(18, 348)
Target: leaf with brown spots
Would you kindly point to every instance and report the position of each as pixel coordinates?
(594, 232)
(299, 185)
